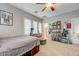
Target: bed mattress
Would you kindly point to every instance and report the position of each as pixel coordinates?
(17, 45)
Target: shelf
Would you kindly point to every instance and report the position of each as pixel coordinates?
(56, 31)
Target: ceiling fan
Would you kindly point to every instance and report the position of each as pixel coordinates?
(47, 5)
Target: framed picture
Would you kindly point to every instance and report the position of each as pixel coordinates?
(68, 25)
(6, 18)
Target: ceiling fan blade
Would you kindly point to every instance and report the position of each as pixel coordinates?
(52, 8)
(43, 9)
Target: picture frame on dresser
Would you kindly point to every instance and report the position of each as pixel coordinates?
(6, 18)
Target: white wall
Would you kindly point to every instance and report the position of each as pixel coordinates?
(18, 21)
(68, 17)
(75, 30)
(45, 30)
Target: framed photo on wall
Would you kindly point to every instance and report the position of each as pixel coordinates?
(68, 25)
(6, 18)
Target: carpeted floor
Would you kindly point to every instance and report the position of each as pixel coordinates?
(53, 48)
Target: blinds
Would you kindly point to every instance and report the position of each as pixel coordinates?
(35, 27)
(27, 26)
(40, 27)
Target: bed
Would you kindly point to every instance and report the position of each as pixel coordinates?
(17, 46)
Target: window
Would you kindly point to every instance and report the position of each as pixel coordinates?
(35, 27)
(40, 27)
(27, 26)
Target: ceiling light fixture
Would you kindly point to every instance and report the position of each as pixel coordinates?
(48, 5)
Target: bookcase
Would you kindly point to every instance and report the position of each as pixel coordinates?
(56, 31)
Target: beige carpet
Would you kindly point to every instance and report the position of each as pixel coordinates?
(53, 48)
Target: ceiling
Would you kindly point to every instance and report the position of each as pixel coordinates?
(35, 9)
